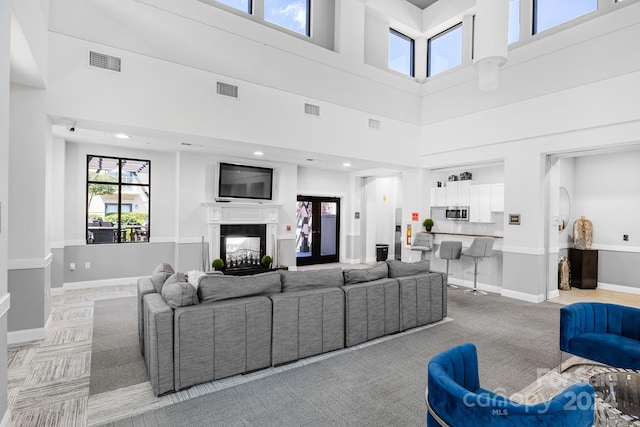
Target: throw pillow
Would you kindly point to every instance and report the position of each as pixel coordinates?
(178, 293)
(401, 269)
(360, 275)
(160, 275)
(193, 277)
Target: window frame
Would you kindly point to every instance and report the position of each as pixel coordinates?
(307, 32)
(120, 184)
(535, 14)
(459, 25)
(248, 12)
(412, 59)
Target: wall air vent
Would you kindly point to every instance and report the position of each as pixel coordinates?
(374, 124)
(312, 110)
(106, 62)
(226, 89)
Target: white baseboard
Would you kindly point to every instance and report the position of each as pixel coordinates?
(522, 296)
(553, 294)
(56, 291)
(6, 419)
(619, 288)
(26, 335)
(100, 283)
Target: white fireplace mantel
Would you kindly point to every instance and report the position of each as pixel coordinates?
(241, 213)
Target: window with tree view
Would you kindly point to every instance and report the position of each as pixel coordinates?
(118, 200)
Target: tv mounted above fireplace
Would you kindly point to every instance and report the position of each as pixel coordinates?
(245, 182)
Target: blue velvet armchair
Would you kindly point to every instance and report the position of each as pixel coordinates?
(455, 398)
(605, 333)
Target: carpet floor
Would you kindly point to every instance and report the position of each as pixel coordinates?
(379, 384)
(116, 361)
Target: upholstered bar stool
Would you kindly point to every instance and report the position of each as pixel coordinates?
(423, 243)
(481, 247)
(450, 250)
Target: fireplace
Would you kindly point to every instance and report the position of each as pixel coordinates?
(242, 246)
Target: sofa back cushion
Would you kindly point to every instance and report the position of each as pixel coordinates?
(160, 274)
(401, 269)
(218, 287)
(360, 275)
(177, 292)
(311, 279)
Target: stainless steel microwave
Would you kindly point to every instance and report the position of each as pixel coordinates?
(457, 213)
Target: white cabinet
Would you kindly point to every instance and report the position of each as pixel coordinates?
(438, 196)
(497, 197)
(480, 203)
(458, 193)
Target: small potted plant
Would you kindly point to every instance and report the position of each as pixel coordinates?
(428, 223)
(217, 264)
(266, 261)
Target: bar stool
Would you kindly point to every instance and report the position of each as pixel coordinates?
(450, 249)
(480, 248)
(424, 243)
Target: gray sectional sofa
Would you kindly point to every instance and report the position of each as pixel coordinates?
(221, 325)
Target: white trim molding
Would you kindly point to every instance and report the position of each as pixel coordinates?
(616, 248)
(522, 296)
(99, 283)
(5, 304)
(523, 250)
(553, 294)
(481, 286)
(26, 335)
(619, 288)
(29, 263)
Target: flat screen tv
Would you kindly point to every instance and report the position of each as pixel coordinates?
(245, 182)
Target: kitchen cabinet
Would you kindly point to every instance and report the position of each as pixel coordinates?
(584, 268)
(497, 197)
(439, 196)
(458, 193)
(480, 203)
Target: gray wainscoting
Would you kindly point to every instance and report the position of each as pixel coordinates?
(111, 261)
(57, 267)
(29, 292)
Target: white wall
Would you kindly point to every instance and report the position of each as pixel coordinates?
(607, 192)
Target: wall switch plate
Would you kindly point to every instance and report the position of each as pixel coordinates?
(87, 265)
(625, 237)
(72, 266)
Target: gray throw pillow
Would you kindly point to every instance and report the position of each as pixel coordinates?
(311, 279)
(401, 269)
(178, 293)
(160, 275)
(360, 275)
(216, 287)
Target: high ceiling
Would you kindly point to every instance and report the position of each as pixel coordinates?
(422, 3)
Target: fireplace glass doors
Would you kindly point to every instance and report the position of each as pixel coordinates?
(242, 246)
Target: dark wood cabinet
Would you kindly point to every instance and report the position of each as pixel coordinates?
(584, 268)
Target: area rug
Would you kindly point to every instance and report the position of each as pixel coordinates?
(116, 361)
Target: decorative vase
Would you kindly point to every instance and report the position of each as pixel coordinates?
(428, 228)
(582, 233)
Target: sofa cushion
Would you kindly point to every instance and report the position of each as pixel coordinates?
(193, 277)
(177, 292)
(311, 279)
(360, 275)
(160, 274)
(218, 287)
(401, 269)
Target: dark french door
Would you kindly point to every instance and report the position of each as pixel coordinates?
(317, 230)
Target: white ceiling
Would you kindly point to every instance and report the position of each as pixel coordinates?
(422, 4)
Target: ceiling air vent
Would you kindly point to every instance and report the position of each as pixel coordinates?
(374, 124)
(312, 110)
(226, 89)
(106, 62)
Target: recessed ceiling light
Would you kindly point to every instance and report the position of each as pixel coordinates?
(122, 136)
(258, 153)
(346, 164)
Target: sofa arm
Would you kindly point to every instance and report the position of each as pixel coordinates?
(158, 337)
(145, 286)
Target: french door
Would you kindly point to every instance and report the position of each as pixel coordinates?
(317, 230)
